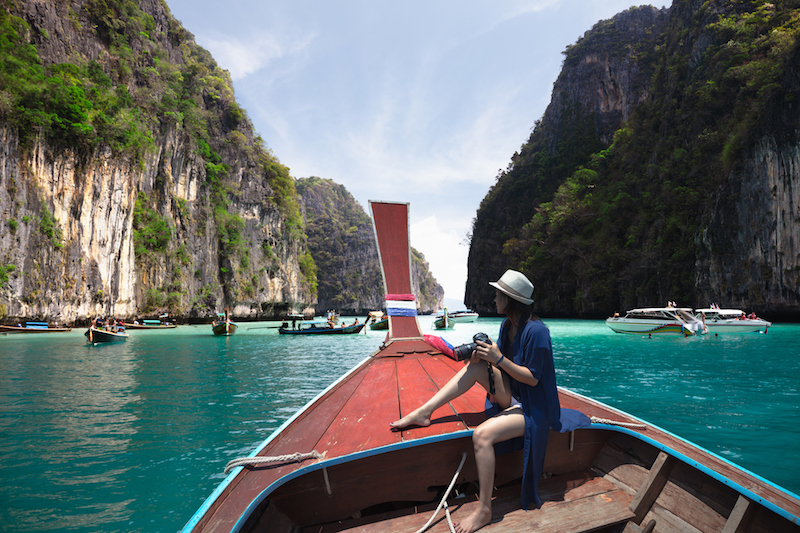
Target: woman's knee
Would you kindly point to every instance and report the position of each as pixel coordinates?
(482, 436)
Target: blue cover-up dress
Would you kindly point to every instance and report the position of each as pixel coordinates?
(533, 349)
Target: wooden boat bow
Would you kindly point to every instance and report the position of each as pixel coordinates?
(368, 478)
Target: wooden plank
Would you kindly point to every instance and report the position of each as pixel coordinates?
(403, 475)
(572, 503)
(470, 406)
(653, 485)
(415, 387)
(739, 517)
(688, 497)
(576, 516)
(363, 422)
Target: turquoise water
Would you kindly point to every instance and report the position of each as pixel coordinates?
(134, 436)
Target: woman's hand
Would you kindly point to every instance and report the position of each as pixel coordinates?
(488, 352)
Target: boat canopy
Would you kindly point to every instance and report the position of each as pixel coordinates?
(721, 312)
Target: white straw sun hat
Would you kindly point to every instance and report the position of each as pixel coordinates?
(515, 285)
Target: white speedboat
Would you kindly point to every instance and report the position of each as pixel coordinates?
(730, 321)
(465, 315)
(658, 321)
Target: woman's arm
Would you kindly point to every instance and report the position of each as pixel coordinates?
(491, 354)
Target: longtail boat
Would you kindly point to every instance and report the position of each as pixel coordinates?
(150, 324)
(336, 466)
(34, 327)
(321, 327)
(378, 320)
(95, 335)
(223, 326)
(444, 321)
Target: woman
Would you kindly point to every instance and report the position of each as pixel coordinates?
(525, 392)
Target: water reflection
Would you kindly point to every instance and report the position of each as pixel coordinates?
(67, 415)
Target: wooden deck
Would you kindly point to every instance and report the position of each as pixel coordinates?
(573, 503)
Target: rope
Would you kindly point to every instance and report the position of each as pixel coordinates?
(444, 497)
(596, 420)
(294, 458)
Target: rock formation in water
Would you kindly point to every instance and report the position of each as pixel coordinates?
(130, 180)
(342, 243)
(665, 168)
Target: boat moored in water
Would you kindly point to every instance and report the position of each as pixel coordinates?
(321, 327)
(444, 321)
(34, 327)
(462, 316)
(378, 320)
(731, 321)
(112, 334)
(223, 326)
(336, 465)
(149, 324)
(658, 321)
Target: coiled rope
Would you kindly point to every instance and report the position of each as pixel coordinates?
(596, 420)
(292, 458)
(443, 501)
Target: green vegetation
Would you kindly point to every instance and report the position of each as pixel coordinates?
(5, 273)
(618, 224)
(151, 231)
(309, 271)
(427, 284)
(74, 106)
(48, 225)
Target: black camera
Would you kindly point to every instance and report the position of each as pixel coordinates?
(465, 350)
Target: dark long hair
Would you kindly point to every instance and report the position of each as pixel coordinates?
(515, 307)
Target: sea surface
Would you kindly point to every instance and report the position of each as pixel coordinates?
(134, 436)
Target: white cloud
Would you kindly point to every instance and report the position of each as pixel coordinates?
(445, 255)
(243, 57)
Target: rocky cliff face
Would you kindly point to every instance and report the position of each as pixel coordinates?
(196, 216)
(342, 242)
(665, 168)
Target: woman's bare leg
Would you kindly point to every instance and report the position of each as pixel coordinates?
(472, 373)
(507, 425)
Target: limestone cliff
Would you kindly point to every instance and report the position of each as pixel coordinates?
(130, 180)
(342, 243)
(665, 168)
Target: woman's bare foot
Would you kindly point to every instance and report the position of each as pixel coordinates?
(414, 418)
(479, 518)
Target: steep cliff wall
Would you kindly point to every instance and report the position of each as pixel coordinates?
(130, 180)
(342, 242)
(668, 174)
(605, 75)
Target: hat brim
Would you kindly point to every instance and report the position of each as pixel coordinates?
(515, 296)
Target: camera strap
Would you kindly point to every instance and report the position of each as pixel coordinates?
(491, 378)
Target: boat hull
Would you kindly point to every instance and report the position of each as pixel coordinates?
(621, 325)
(144, 326)
(346, 330)
(95, 335)
(441, 323)
(464, 318)
(18, 329)
(380, 325)
(737, 326)
(224, 329)
(598, 476)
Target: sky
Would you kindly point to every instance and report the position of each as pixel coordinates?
(422, 102)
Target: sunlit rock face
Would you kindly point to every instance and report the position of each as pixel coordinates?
(224, 238)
